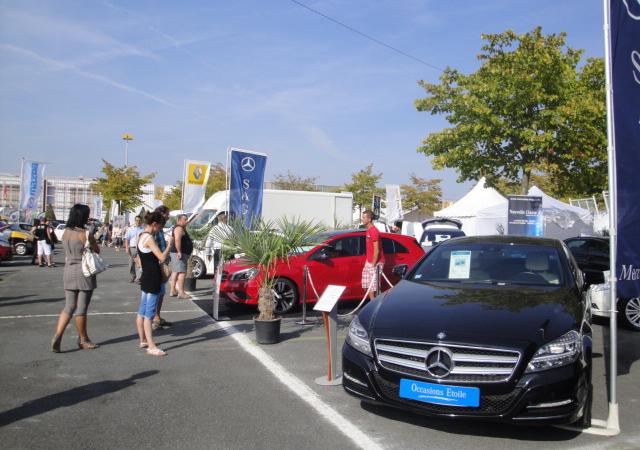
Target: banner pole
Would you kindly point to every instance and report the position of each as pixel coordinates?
(612, 419)
(303, 300)
(20, 192)
(184, 171)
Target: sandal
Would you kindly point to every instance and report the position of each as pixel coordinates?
(55, 344)
(173, 294)
(143, 345)
(157, 351)
(184, 296)
(86, 345)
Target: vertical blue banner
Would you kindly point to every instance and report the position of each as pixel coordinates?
(525, 216)
(246, 184)
(625, 58)
(31, 183)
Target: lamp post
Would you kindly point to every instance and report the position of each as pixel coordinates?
(126, 137)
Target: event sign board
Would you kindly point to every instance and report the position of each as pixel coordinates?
(377, 201)
(329, 298)
(196, 174)
(246, 184)
(31, 184)
(625, 55)
(525, 216)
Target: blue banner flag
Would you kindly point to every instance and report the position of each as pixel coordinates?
(246, 184)
(625, 56)
(31, 183)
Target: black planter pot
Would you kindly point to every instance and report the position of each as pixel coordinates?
(190, 284)
(267, 331)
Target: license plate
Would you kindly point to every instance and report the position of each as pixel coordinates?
(439, 394)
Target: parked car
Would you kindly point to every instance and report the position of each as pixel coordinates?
(59, 231)
(485, 327)
(332, 258)
(5, 250)
(21, 240)
(438, 230)
(592, 256)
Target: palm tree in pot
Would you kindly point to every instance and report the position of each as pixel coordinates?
(264, 245)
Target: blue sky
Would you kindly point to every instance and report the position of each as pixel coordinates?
(190, 78)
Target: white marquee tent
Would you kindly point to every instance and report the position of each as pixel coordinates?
(561, 220)
(482, 211)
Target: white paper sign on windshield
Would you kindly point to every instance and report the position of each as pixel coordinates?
(329, 298)
(460, 264)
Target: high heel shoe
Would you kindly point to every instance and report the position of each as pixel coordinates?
(55, 344)
(86, 345)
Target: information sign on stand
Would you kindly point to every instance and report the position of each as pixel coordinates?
(328, 305)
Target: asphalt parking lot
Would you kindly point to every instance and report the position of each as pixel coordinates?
(217, 388)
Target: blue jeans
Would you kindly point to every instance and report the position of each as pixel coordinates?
(148, 305)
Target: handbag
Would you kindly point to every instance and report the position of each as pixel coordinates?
(92, 263)
(165, 272)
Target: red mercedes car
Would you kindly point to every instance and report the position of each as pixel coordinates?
(335, 257)
(5, 249)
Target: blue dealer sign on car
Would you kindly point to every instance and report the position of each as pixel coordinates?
(439, 394)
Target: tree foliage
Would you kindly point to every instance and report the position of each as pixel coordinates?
(363, 186)
(293, 182)
(528, 108)
(122, 184)
(422, 194)
(173, 198)
(217, 180)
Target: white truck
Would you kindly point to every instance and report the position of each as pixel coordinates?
(333, 210)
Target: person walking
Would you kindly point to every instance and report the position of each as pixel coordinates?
(158, 322)
(181, 248)
(130, 246)
(150, 282)
(78, 289)
(213, 245)
(374, 256)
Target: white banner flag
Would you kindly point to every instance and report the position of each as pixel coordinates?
(394, 203)
(97, 207)
(31, 182)
(196, 175)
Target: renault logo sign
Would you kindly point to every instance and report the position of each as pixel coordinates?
(248, 164)
(439, 362)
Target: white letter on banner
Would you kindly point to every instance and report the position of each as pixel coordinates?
(635, 60)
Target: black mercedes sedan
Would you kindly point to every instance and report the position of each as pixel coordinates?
(484, 327)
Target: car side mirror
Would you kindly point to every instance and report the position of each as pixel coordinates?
(320, 255)
(400, 270)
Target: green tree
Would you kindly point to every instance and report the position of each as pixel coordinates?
(50, 213)
(423, 194)
(528, 108)
(363, 186)
(293, 182)
(173, 198)
(122, 184)
(217, 180)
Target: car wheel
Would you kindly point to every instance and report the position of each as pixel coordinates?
(285, 295)
(21, 249)
(199, 269)
(584, 422)
(630, 308)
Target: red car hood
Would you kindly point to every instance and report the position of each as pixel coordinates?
(236, 265)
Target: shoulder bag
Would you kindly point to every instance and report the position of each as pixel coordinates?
(92, 263)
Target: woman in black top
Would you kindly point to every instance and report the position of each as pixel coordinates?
(150, 281)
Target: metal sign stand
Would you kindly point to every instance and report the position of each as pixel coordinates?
(304, 320)
(328, 305)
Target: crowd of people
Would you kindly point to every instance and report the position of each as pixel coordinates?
(147, 248)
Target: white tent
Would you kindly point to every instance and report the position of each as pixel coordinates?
(482, 211)
(562, 220)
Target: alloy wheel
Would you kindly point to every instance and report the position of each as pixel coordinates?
(285, 295)
(632, 312)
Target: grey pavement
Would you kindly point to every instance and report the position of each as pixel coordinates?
(209, 392)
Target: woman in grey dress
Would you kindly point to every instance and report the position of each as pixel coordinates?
(77, 288)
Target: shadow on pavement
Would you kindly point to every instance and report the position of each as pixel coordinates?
(28, 302)
(472, 428)
(70, 397)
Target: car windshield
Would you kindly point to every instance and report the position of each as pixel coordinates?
(492, 263)
(202, 218)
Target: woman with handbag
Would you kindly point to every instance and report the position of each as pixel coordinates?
(78, 289)
(151, 281)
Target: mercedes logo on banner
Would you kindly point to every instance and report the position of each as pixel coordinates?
(439, 362)
(248, 164)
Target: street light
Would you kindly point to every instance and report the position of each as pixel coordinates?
(126, 137)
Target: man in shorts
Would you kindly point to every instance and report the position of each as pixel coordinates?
(131, 247)
(374, 256)
(181, 248)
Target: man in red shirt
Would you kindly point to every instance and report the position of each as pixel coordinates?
(374, 255)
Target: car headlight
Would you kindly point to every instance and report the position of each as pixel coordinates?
(244, 275)
(564, 350)
(358, 337)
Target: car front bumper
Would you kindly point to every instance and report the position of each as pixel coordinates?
(555, 396)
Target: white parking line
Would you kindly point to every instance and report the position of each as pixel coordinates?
(31, 316)
(299, 388)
